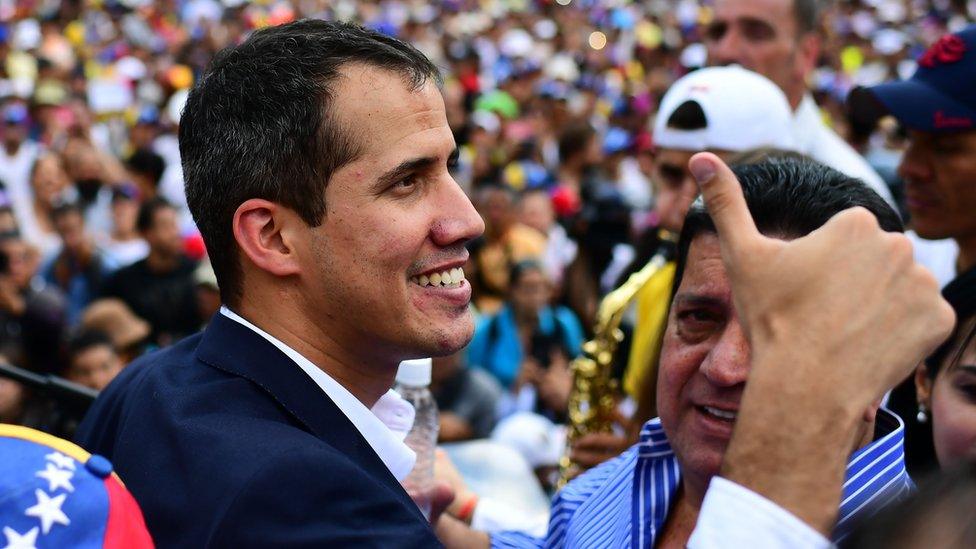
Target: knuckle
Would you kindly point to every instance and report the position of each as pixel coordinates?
(947, 318)
(901, 249)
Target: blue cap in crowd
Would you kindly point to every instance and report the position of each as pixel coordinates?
(941, 95)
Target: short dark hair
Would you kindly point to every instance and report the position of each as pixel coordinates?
(259, 124)
(807, 15)
(954, 347)
(520, 268)
(789, 198)
(147, 212)
(574, 139)
(148, 163)
(85, 339)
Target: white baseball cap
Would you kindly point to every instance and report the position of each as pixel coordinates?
(743, 110)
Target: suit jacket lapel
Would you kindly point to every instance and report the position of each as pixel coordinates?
(235, 349)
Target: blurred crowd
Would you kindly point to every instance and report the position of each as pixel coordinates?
(552, 103)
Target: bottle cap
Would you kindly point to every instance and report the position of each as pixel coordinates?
(415, 373)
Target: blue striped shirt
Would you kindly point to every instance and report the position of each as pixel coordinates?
(624, 502)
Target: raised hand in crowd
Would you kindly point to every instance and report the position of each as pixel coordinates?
(847, 335)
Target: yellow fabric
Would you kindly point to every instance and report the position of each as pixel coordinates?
(25, 433)
(69, 449)
(652, 310)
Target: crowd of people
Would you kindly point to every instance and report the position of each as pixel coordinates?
(162, 172)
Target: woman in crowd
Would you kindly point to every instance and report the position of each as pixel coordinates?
(48, 185)
(526, 346)
(946, 388)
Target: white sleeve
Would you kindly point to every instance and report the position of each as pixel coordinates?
(734, 516)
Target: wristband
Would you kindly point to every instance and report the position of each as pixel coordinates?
(466, 511)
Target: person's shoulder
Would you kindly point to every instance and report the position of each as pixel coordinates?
(137, 269)
(187, 265)
(481, 382)
(602, 477)
(564, 314)
(831, 150)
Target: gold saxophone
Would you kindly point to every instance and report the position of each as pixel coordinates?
(593, 398)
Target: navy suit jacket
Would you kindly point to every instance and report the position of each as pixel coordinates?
(225, 442)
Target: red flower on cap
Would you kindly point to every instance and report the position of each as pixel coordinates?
(949, 49)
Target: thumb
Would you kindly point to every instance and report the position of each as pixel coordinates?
(726, 205)
(441, 495)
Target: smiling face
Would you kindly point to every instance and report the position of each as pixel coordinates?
(704, 363)
(382, 271)
(940, 184)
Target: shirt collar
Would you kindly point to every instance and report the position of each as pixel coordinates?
(875, 476)
(653, 442)
(376, 427)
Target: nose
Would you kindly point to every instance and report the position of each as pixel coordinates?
(725, 50)
(457, 221)
(727, 363)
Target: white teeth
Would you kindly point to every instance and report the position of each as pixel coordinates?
(445, 278)
(720, 413)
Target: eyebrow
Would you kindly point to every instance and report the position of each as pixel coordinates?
(969, 369)
(696, 300)
(407, 167)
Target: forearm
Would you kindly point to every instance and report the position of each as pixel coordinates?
(791, 446)
(456, 534)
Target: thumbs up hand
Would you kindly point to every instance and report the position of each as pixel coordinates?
(834, 319)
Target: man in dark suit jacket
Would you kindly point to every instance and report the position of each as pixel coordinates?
(316, 162)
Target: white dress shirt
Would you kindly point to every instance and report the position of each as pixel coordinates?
(734, 516)
(819, 142)
(816, 140)
(382, 427)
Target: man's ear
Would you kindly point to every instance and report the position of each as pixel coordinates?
(808, 50)
(923, 385)
(261, 229)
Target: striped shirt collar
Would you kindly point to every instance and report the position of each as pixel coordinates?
(875, 476)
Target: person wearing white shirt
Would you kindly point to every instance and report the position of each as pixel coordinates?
(316, 157)
(897, 319)
(779, 39)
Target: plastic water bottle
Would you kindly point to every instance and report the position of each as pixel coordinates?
(413, 384)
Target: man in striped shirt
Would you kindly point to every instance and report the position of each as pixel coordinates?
(651, 494)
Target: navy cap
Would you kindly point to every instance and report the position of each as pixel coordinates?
(941, 95)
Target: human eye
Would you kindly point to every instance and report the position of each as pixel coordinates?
(965, 384)
(671, 176)
(716, 31)
(405, 185)
(697, 323)
(757, 31)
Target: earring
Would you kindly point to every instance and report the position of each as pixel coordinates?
(923, 415)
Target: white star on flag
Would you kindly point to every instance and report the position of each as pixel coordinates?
(61, 460)
(17, 541)
(48, 510)
(56, 478)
